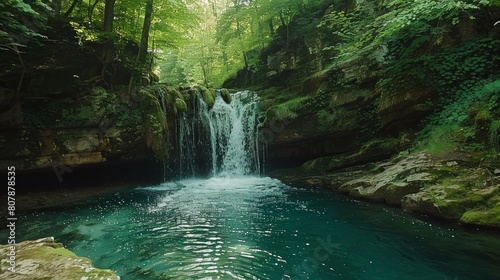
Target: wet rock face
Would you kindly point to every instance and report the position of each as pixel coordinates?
(45, 259)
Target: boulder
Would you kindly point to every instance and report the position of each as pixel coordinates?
(394, 182)
(46, 259)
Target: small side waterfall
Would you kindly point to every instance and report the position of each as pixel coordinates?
(221, 141)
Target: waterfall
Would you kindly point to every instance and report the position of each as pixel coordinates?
(221, 141)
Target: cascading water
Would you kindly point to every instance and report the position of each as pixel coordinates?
(221, 141)
(235, 135)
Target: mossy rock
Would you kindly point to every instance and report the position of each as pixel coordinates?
(226, 96)
(396, 191)
(454, 208)
(186, 97)
(155, 125)
(445, 201)
(174, 91)
(483, 195)
(482, 117)
(316, 166)
(483, 217)
(275, 95)
(208, 96)
(44, 259)
(180, 104)
(372, 151)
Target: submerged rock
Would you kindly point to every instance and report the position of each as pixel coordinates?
(45, 259)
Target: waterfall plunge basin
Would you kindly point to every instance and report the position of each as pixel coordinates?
(259, 228)
(234, 226)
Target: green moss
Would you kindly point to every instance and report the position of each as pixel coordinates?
(442, 140)
(49, 253)
(226, 96)
(386, 144)
(155, 125)
(482, 116)
(316, 166)
(174, 92)
(339, 119)
(485, 196)
(484, 217)
(275, 95)
(208, 96)
(286, 110)
(180, 104)
(453, 207)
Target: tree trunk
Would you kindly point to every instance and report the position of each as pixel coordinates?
(143, 48)
(282, 18)
(205, 74)
(225, 59)
(109, 15)
(91, 9)
(71, 8)
(271, 26)
(108, 52)
(245, 59)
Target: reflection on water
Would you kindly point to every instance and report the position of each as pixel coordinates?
(259, 228)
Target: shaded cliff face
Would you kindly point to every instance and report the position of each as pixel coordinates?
(319, 103)
(342, 114)
(55, 112)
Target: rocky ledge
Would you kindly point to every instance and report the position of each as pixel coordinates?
(45, 259)
(453, 188)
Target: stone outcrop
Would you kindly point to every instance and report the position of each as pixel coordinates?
(46, 259)
(453, 189)
(404, 107)
(392, 182)
(32, 150)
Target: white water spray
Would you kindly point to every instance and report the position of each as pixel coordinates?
(231, 137)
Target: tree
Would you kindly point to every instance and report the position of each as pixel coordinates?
(19, 24)
(109, 15)
(143, 47)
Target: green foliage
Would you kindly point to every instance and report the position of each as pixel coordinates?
(443, 140)
(21, 22)
(463, 83)
(335, 120)
(287, 110)
(93, 110)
